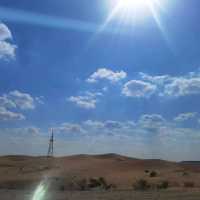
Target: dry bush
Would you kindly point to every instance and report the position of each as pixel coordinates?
(141, 184)
(185, 174)
(94, 183)
(83, 185)
(153, 174)
(100, 183)
(163, 185)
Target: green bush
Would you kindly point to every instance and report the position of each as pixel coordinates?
(141, 185)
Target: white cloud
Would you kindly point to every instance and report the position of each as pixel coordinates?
(151, 122)
(69, 128)
(22, 100)
(87, 101)
(107, 74)
(182, 87)
(112, 124)
(4, 32)
(6, 115)
(17, 100)
(155, 79)
(93, 124)
(185, 117)
(137, 88)
(6, 102)
(175, 86)
(151, 118)
(7, 50)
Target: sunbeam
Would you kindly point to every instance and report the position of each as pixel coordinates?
(131, 12)
(19, 16)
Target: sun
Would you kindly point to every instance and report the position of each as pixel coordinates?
(134, 9)
(132, 4)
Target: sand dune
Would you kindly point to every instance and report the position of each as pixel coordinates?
(119, 170)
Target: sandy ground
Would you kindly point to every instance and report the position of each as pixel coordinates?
(117, 195)
(20, 173)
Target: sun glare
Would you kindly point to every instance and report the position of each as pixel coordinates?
(133, 9)
(132, 4)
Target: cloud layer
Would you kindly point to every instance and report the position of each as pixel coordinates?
(150, 136)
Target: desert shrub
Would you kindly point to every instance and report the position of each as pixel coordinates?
(189, 184)
(100, 183)
(111, 186)
(153, 174)
(185, 174)
(93, 183)
(163, 185)
(141, 185)
(82, 184)
(146, 171)
(61, 187)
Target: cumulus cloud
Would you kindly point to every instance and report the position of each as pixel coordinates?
(137, 88)
(17, 100)
(107, 74)
(151, 122)
(151, 118)
(174, 86)
(185, 117)
(182, 87)
(6, 115)
(6, 102)
(7, 50)
(155, 79)
(22, 100)
(87, 101)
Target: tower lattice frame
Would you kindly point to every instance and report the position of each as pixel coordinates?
(51, 145)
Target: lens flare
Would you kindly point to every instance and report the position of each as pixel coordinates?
(40, 191)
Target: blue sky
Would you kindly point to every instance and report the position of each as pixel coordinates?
(128, 86)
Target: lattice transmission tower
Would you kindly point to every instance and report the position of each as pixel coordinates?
(51, 145)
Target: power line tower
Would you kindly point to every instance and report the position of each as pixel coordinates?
(50, 149)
